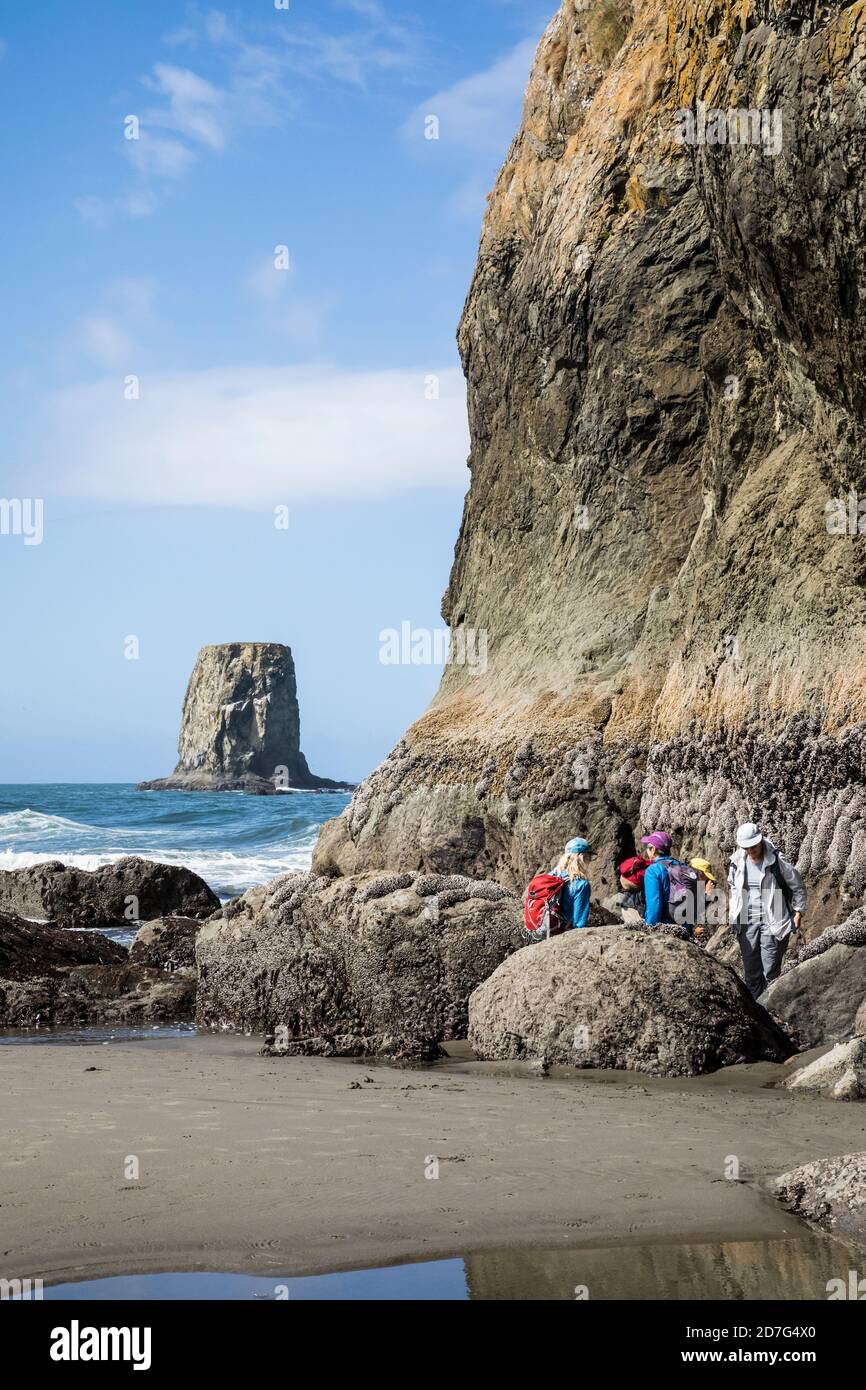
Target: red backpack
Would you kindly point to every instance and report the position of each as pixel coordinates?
(542, 912)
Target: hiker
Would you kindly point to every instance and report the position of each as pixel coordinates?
(656, 883)
(558, 901)
(631, 875)
(704, 870)
(766, 902)
(572, 867)
(669, 886)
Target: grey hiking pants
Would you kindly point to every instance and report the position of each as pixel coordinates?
(762, 957)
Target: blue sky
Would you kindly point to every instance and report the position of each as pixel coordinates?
(250, 305)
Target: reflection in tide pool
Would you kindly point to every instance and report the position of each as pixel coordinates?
(799, 1268)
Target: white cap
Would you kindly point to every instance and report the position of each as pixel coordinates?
(748, 835)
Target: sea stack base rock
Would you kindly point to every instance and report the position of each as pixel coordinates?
(240, 727)
(612, 997)
(373, 964)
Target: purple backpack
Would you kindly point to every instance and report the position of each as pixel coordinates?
(683, 881)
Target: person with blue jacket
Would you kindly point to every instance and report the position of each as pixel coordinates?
(656, 883)
(572, 867)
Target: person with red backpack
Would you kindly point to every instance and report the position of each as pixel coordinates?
(559, 901)
(669, 886)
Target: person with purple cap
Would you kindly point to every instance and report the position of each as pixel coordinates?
(656, 881)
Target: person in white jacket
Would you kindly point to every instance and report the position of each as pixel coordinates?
(766, 902)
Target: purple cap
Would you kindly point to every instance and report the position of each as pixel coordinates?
(660, 839)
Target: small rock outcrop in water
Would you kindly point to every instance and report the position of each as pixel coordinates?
(617, 998)
(240, 726)
(665, 353)
(50, 976)
(130, 890)
(352, 966)
(830, 1192)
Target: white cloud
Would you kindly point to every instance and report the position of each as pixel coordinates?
(252, 437)
(478, 113)
(196, 107)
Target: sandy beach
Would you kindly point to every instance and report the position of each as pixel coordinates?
(307, 1165)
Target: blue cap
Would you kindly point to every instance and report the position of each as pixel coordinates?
(578, 846)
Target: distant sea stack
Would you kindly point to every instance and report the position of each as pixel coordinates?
(240, 728)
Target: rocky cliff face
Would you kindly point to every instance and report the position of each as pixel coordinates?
(240, 727)
(664, 348)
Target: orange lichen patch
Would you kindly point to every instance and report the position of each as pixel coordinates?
(636, 194)
(840, 38)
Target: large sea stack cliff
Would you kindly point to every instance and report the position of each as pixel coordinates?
(664, 348)
(240, 727)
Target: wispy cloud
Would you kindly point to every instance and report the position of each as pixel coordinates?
(107, 335)
(196, 108)
(252, 437)
(477, 118)
(255, 70)
(284, 307)
(375, 44)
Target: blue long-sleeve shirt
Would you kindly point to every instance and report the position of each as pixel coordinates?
(657, 888)
(574, 901)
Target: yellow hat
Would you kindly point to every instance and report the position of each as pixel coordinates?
(704, 867)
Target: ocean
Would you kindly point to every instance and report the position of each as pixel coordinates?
(234, 841)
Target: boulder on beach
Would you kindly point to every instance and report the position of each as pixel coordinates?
(623, 999)
(51, 976)
(372, 964)
(830, 1192)
(29, 947)
(821, 997)
(129, 891)
(839, 1074)
(167, 943)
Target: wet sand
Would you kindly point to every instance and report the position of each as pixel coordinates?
(305, 1165)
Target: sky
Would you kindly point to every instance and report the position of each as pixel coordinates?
(233, 265)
